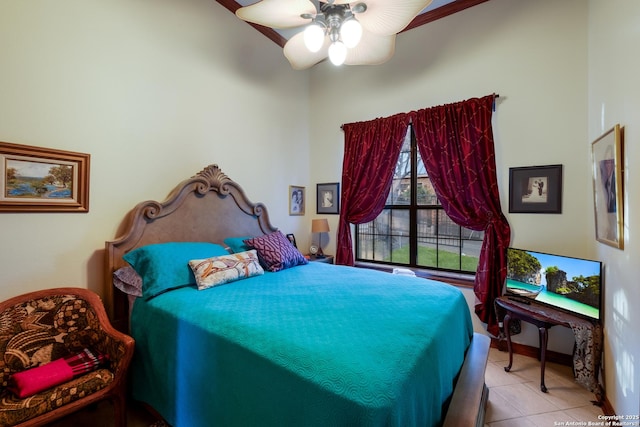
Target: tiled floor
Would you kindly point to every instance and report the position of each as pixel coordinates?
(515, 398)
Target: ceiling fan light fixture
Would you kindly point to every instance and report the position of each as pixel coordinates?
(351, 32)
(314, 37)
(381, 21)
(359, 8)
(337, 53)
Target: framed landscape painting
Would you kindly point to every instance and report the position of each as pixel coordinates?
(35, 179)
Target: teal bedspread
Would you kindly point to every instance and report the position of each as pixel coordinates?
(314, 345)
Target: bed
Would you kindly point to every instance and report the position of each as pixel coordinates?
(308, 344)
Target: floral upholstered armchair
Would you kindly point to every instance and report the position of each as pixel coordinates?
(59, 353)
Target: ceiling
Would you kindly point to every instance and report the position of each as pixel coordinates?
(436, 10)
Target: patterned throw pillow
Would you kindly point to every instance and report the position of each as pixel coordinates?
(215, 271)
(276, 251)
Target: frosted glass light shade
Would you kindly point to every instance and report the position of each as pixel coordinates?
(351, 32)
(313, 37)
(337, 53)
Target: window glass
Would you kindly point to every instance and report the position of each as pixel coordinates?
(413, 229)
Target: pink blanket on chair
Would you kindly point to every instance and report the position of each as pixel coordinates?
(27, 383)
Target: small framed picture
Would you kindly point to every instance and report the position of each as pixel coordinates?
(607, 153)
(36, 179)
(296, 200)
(292, 239)
(535, 189)
(328, 198)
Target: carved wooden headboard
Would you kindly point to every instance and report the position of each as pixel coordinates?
(208, 207)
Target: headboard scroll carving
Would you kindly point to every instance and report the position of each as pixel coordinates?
(207, 207)
(215, 178)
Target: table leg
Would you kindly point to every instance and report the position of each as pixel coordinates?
(543, 351)
(507, 332)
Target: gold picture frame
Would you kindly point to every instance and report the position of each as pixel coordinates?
(608, 183)
(35, 179)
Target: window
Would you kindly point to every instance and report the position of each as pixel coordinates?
(413, 230)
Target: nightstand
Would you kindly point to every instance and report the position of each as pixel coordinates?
(327, 258)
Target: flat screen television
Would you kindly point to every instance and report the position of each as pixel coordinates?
(570, 284)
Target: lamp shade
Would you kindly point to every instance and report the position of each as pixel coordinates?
(319, 226)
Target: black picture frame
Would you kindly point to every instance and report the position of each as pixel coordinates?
(535, 189)
(292, 239)
(328, 198)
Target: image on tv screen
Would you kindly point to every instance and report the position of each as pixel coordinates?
(571, 284)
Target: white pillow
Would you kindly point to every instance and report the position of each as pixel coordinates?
(210, 272)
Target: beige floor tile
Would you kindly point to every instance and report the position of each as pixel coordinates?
(549, 419)
(521, 422)
(496, 376)
(499, 408)
(563, 393)
(496, 355)
(515, 398)
(586, 413)
(525, 398)
(523, 367)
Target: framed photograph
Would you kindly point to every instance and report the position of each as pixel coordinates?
(328, 198)
(608, 193)
(296, 200)
(35, 179)
(535, 189)
(292, 239)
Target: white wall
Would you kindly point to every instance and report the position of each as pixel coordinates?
(154, 91)
(531, 53)
(614, 97)
(534, 55)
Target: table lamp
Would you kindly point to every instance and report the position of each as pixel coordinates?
(319, 226)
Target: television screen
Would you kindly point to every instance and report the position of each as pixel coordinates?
(570, 284)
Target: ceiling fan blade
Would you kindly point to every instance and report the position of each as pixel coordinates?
(373, 49)
(277, 13)
(389, 16)
(299, 56)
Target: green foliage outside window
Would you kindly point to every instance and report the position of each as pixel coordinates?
(429, 256)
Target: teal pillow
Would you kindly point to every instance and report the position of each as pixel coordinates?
(237, 244)
(165, 266)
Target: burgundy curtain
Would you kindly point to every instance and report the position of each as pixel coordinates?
(371, 152)
(456, 145)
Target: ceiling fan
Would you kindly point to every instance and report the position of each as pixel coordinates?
(361, 32)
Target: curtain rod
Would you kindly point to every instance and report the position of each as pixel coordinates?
(495, 95)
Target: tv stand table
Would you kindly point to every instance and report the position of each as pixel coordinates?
(588, 348)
